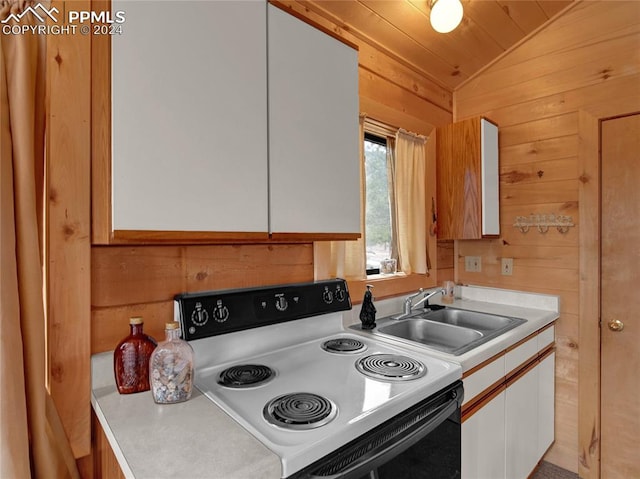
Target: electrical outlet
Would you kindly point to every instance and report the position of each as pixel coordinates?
(507, 266)
(473, 264)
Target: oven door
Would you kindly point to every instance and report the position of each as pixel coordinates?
(422, 442)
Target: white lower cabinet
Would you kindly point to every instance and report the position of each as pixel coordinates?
(483, 441)
(505, 437)
(521, 425)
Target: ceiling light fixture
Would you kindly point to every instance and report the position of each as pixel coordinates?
(445, 15)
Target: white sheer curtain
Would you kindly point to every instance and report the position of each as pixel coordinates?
(407, 186)
(408, 169)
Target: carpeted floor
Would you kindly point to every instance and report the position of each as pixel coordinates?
(546, 470)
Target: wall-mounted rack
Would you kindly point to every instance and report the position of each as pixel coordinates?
(543, 222)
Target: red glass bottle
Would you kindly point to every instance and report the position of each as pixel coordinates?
(131, 359)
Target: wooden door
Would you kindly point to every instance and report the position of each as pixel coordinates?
(620, 298)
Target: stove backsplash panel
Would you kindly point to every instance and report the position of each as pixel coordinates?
(212, 313)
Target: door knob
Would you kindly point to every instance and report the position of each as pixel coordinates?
(615, 325)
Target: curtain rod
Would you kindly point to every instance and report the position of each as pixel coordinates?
(388, 129)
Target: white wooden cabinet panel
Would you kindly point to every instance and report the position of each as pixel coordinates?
(313, 129)
(521, 425)
(520, 355)
(480, 380)
(490, 178)
(189, 117)
(546, 337)
(483, 442)
(546, 403)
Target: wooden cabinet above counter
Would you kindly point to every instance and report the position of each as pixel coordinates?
(468, 180)
(223, 126)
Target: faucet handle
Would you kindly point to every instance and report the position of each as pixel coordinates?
(414, 295)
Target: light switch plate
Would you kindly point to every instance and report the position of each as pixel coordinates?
(473, 264)
(507, 266)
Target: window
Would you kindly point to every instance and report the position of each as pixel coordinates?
(378, 229)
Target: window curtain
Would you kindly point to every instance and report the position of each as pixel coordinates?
(32, 439)
(348, 258)
(408, 169)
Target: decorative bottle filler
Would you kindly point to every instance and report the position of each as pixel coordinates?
(131, 359)
(171, 368)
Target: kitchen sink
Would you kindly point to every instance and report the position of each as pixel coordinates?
(444, 337)
(450, 330)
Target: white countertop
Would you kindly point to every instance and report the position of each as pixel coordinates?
(196, 439)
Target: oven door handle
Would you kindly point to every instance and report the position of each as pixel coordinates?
(369, 462)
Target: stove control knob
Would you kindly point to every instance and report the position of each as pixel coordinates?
(220, 312)
(340, 294)
(281, 303)
(199, 317)
(327, 296)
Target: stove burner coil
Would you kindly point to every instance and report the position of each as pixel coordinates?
(300, 411)
(245, 375)
(344, 345)
(391, 367)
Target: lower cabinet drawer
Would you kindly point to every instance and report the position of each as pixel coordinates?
(520, 355)
(546, 337)
(483, 380)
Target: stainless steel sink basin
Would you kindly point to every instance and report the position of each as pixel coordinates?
(471, 319)
(443, 337)
(450, 330)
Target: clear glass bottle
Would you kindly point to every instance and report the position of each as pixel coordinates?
(171, 368)
(131, 359)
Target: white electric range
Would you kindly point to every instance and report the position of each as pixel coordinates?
(329, 403)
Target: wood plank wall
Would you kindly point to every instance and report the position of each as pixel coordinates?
(68, 225)
(587, 60)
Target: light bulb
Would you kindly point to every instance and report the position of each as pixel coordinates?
(446, 15)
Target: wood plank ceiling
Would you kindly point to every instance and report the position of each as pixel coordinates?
(401, 29)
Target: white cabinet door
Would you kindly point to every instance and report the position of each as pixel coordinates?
(189, 117)
(546, 403)
(313, 129)
(483, 442)
(521, 416)
(490, 178)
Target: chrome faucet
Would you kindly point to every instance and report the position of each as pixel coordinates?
(409, 307)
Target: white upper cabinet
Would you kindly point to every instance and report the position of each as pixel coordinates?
(189, 117)
(313, 129)
(228, 124)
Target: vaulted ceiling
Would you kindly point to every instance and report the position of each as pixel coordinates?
(401, 28)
